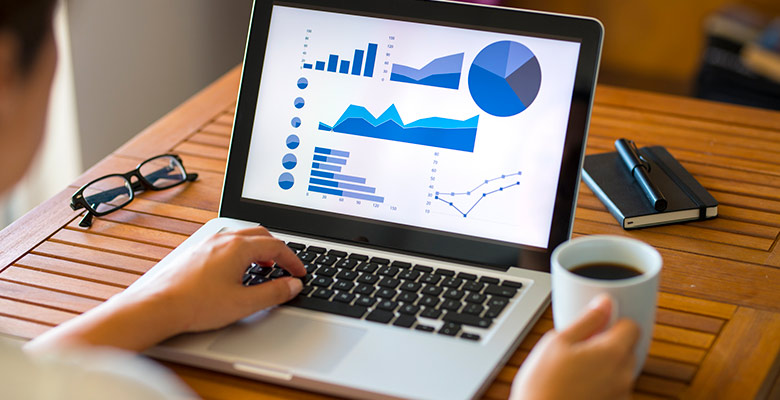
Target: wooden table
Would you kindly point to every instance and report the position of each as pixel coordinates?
(717, 332)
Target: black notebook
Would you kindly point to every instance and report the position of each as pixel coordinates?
(606, 175)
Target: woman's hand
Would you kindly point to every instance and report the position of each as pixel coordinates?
(580, 362)
(201, 290)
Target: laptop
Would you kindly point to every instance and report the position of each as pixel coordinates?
(422, 159)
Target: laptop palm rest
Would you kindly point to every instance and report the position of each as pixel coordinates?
(287, 341)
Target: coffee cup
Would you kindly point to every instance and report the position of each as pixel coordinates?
(627, 270)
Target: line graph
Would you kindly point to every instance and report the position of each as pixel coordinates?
(476, 195)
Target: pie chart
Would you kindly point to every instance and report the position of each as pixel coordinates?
(504, 78)
(289, 161)
(286, 180)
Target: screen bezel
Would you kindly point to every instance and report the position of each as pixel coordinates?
(403, 238)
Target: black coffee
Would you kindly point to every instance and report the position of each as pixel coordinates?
(606, 271)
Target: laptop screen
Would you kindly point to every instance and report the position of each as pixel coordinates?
(432, 127)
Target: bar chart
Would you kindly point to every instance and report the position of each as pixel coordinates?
(326, 177)
(362, 63)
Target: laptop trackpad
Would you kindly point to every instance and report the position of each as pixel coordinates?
(289, 341)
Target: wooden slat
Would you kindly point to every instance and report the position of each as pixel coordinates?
(171, 211)
(676, 352)
(153, 221)
(105, 243)
(224, 119)
(689, 321)
(660, 386)
(76, 270)
(744, 345)
(59, 283)
(34, 313)
(21, 328)
(219, 128)
(199, 164)
(742, 201)
(696, 305)
(46, 297)
(202, 150)
(682, 336)
(210, 139)
(131, 232)
(95, 257)
(669, 369)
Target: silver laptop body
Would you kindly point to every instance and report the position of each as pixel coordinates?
(433, 134)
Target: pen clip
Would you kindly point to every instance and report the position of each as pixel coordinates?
(641, 158)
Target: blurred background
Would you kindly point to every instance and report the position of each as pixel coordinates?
(124, 64)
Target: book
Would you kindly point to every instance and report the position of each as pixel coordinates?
(607, 176)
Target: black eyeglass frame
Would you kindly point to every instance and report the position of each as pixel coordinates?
(141, 184)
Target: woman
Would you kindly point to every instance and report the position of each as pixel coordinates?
(90, 356)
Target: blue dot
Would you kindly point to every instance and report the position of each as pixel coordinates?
(298, 103)
(296, 122)
(286, 180)
(303, 83)
(289, 161)
(293, 141)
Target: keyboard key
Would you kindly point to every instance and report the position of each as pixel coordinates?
(386, 293)
(278, 273)
(467, 276)
(451, 305)
(469, 336)
(445, 272)
(502, 291)
(307, 278)
(512, 284)
(388, 271)
(367, 267)
(364, 289)
(387, 305)
(431, 313)
(473, 286)
(450, 329)
(423, 268)
(347, 275)
(258, 279)
(322, 281)
(326, 259)
(411, 286)
(346, 263)
(307, 256)
(498, 302)
(311, 268)
(259, 270)
(359, 257)
(473, 309)
(401, 264)
(431, 290)
(380, 260)
(405, 321)
(476, 298)
(452, 283)
(296, 246)
(431, 279)
(327, 271)
(407, 297)
(380, 316)
(409, 274)
(389, 282)
(344, 286)
(424, 328)
(247, 278)
(368, 279)
(429, 301)
(316, 249)
(344, 297)
(409, 309)
(493, 312)
(306, 290)
(466, 319)
(322, 293)
(365, 301)
(337, 253)
(327, 306)
(453, 294)
(487, 279)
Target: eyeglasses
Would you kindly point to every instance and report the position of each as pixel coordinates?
(109, 193)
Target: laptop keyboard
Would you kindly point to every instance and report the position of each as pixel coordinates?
(393, 292)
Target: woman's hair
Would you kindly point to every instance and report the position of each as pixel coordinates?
(29, 21)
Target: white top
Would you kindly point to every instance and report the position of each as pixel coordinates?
(95, 374)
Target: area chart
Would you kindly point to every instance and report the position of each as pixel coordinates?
(443, 72)
(434, 132)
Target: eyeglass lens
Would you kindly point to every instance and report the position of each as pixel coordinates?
(163, 172)
(108, 194)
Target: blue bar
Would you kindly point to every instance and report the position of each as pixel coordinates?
(338, 177)
(320, 66)
(326, 167)
(342, 185)
(339, 161)
(357, 62)
(335, 192)
(333, 62)
(344, 67)
(337, 153)
(370, 60)
(307, 66)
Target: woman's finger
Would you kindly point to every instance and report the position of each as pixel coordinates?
(593, 320)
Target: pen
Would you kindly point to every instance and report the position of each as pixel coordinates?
(639, 169)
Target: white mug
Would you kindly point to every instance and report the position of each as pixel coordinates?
(633, 298)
